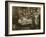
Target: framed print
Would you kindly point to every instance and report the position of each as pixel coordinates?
(24, 18)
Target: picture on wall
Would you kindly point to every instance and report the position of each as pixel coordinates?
(22, 18)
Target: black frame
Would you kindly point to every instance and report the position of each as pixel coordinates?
(6, 18)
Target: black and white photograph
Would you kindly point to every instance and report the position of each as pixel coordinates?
(24, 18)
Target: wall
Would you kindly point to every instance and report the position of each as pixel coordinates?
(2, 18)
